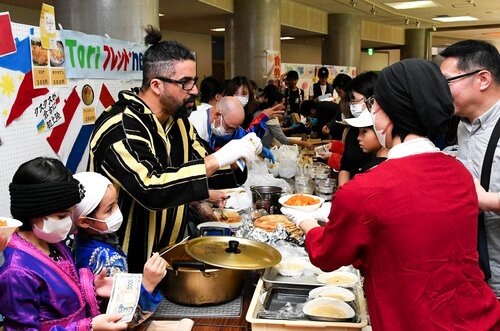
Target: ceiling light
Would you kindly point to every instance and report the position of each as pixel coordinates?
(448, 19)
(434, 27)
(218, 29)
(161, 15)
(411, 4)
(417, 23)
(373, 11)
(287, 38)
(353, 3)
(407, 21)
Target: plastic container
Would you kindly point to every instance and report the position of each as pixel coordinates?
(260, 324)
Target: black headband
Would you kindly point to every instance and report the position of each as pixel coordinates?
(32, 200)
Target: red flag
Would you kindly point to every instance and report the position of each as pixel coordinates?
(59, 132)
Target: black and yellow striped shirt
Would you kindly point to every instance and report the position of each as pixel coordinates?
(156, 170)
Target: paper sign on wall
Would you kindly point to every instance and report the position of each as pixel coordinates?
(48, 27)
(47, 112)
(47, 64)
(7, 44)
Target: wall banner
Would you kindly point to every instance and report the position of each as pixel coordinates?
(91, 56)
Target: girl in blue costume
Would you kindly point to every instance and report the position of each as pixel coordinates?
(40, 287)
(98, 217)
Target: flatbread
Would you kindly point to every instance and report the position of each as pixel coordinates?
(270, 222)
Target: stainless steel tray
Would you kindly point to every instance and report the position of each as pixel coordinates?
(272, 277)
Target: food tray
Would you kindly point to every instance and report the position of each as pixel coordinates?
(261, 324)
(277, 297)
(273, 277)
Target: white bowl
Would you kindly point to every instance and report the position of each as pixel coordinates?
(12, 225)
(291, 267)
(328, 309)
(332, 291)
(308, 208)
(338, 278)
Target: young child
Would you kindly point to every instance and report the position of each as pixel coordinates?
(97, 218)
(368, 140)
(40, 287)
(293, 95)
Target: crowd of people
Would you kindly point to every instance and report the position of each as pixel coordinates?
(419, 224)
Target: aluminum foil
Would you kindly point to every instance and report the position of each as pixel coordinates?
(247, 230)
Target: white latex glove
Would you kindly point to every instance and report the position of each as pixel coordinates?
(321, 214)
(296, 216)
(234, 150)
(257, 143)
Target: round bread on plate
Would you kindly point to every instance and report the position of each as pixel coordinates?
(270, 222)
(303, 202)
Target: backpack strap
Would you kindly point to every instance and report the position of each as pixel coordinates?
(482, 243)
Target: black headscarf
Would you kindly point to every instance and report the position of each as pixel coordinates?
(416, 97)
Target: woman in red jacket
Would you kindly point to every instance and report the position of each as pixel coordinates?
(409, 224)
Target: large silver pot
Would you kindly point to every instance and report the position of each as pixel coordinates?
(211, 270)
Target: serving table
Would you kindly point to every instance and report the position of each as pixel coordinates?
(223, 323)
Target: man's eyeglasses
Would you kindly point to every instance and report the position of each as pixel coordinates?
(187, 84)
(451, 79)
(369, 103)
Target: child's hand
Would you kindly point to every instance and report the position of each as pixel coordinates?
(103, 284)
(154, 271)
(108, 322)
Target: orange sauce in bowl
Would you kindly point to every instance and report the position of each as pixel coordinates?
(301, 200)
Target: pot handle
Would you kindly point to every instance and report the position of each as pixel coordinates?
(188, 264)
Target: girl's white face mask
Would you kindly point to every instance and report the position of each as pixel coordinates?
(53, 231)
(113, 222)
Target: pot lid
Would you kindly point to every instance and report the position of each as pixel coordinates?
(232, 252)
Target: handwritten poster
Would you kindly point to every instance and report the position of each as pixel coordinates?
(47, 112)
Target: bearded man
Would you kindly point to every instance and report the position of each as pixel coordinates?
(146, 146)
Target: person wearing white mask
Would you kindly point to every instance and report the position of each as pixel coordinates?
(241, 88)
(97, 218)
(40, 286)
(353, 159)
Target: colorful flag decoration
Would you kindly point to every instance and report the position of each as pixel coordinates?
(16, 82)
(70, 140)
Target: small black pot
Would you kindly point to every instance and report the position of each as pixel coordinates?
(267, 193)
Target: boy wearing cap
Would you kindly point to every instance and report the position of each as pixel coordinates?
(321, 87)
